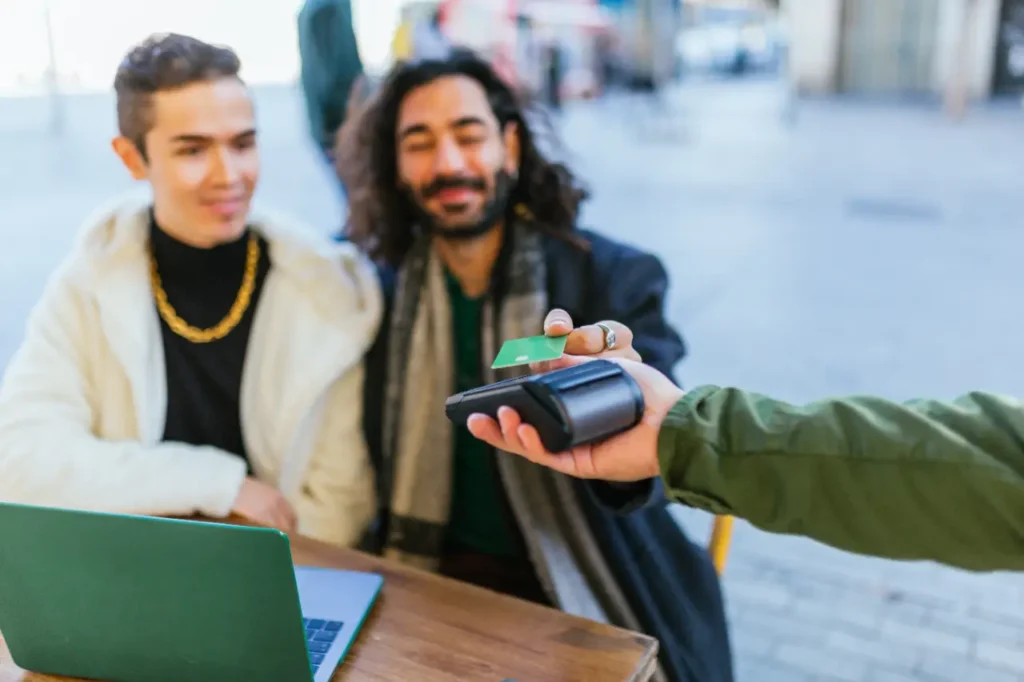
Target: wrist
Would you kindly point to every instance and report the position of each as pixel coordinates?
(664, 404)
(657, 418)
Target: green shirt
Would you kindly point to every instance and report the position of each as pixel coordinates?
(479, 521)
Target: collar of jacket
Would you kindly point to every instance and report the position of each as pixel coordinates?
(319, 312)
(335, 276)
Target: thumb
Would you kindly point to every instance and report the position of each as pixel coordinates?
(557, 323)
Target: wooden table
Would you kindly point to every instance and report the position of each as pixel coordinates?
(431, 629)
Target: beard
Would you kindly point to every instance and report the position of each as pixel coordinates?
(493, 211)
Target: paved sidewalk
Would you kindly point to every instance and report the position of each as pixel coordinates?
(869, 248)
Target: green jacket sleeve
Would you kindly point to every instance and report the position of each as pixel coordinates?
(942, 481)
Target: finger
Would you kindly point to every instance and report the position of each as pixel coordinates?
(533, 446)
(277, 517)
(265, 518)
(578, 462)
(510, 422)
(485, 429)
(590, 339)
(279, 520)
(534, 450)
(290, 518)
(623, 334)
(626, 352)
(557, 323)
(586, 340)
(558, 363)
(583, 458)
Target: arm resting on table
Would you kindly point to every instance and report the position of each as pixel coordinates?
(48, 453)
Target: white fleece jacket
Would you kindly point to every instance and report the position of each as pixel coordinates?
(83, 401)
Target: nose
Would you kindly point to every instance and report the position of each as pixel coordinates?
(225, 169)
(449, 160)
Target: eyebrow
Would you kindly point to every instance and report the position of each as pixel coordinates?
(421, 128)
(467, 121)
(192, 138)
(415, 129)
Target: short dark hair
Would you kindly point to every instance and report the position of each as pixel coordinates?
(164, 61)
(380, 219)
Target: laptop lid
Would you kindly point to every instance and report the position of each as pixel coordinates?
(115, 597)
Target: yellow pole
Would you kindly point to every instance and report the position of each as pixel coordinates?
(721, 538)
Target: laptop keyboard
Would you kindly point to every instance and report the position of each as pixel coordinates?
(320, 635)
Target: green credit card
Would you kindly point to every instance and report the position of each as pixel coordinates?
(531, 349)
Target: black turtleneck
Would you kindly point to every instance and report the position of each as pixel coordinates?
(204, 379)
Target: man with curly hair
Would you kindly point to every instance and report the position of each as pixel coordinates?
(475, 234)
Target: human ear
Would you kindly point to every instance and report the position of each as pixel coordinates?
(131, 157)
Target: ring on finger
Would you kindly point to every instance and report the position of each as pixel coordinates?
(609, 335)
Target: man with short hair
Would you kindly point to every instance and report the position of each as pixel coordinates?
(190, 355)
(476, 235)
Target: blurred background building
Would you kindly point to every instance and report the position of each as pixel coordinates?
(907, 46)
(733, 38)
(871, 47)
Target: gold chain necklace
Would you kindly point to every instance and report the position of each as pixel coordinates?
(230, 321)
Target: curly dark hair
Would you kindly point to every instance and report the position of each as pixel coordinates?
(381, 221)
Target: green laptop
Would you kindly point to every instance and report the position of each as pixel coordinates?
(139, 599)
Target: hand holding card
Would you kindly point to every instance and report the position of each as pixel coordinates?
(605, 339)
(560, 338)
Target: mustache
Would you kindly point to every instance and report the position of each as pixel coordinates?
(442, 183)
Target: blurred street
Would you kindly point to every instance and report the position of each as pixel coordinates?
(867, 247)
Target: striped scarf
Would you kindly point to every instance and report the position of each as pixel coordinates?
(418, 439)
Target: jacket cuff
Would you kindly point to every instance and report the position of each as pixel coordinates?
(626, 498)
(673, 455)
